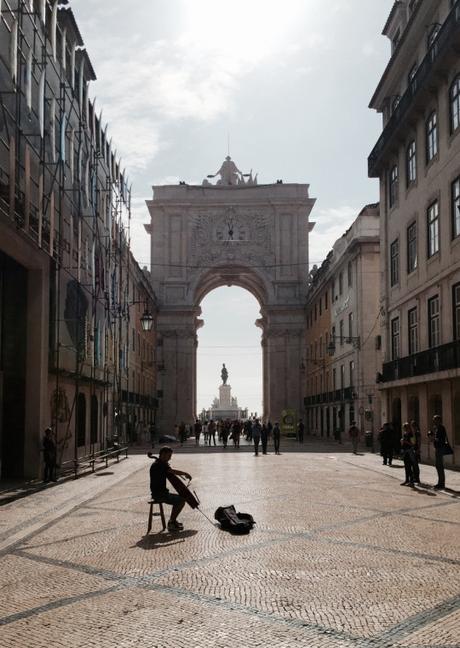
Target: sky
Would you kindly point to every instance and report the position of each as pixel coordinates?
(287, 84)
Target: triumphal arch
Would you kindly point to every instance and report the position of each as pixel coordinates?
(229, 231)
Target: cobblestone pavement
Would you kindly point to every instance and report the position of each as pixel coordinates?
(342, 556)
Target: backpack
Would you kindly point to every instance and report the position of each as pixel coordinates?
(230, 520)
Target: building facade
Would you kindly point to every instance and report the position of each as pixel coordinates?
(343, 333)
(64, 246)
(417, 160)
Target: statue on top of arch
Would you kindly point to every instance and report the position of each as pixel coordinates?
(230, 175)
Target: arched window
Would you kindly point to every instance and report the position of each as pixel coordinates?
(80, 420)
(94, 419)
(455, 104)
(411, 163)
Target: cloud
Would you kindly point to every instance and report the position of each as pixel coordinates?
(330, 225)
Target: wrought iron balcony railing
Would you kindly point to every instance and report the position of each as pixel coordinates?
(430, 361)
(441, 44)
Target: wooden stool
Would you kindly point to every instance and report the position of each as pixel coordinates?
(161, 513)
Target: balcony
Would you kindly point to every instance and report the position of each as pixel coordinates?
(448, 37)
(430, 361)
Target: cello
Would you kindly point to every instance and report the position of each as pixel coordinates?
(181, 487)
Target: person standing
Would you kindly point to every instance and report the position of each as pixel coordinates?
(416, 440)
(438, 435)
(276, 438)
(225, 431)
(264, 438)
(211, 432)
(49, 456)
(182, 433)
(300, 431)
(353, 433)
(386, 444)
(256, 431)
(408, 453)
(197, 429)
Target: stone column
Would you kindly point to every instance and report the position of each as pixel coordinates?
(178, 332)
(284, 353)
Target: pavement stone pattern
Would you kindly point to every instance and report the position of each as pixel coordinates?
(342, 556)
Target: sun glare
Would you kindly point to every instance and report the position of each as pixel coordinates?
(243, 29)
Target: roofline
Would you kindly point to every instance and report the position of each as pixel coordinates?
(395, 54)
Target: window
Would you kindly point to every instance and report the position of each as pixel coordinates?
(411, 77)
(394, 263)
(333, 291)
(433, 228)
(455, 104)
(325, 300)
(334, 379)
(352, 373)
(395, 338)
(412, 247)
(320, 305)
(456, 310)
(350, 274)
(431, 137)
(342, 376)
(393, 186)
(340, 283)
(395, 103)
(455, 194)
(350, 325)
(434, 328)
(412, 318)
(411, 163)
(341, 331)
(432, 34)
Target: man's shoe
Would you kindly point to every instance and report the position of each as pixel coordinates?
(439, 486)
(405, 483)
(175, 526)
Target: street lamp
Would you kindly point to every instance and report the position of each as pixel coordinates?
(147, 321)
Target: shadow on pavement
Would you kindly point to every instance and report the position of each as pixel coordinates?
(164, 539)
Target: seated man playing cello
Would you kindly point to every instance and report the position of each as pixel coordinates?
(158, 473)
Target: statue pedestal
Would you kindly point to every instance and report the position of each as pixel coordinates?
(225, 397)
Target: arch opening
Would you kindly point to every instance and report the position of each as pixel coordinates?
(229, 336)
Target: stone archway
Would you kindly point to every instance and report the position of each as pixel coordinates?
(234, 233)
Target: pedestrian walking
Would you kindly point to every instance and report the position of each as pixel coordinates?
(386, 444)
(438, 436)
(49, 456)
(353, 433)
(236, 432)
(276, 438)
(300, 431)
(205, 432)
(256, 431)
